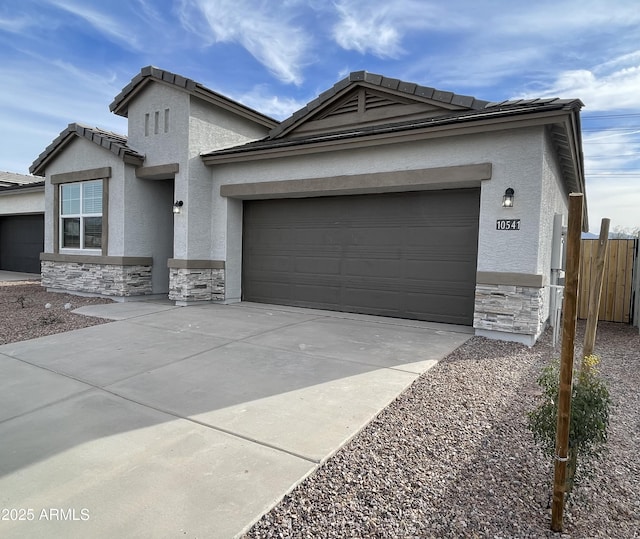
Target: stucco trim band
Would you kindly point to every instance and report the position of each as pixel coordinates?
(510, 279)
(81, 175)
(90, 259)
(179, 263)
(376, 182)
(158, 172)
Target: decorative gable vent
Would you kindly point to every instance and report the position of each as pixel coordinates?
(362, 101)
(345, 107)
(374, 101)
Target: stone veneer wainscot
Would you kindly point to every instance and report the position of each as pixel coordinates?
(512, 309)
(188, 285)
(103, 279)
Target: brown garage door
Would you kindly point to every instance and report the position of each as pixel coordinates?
(21, 242)
(407, 255)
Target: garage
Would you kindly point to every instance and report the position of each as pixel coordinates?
(21, 242)
(407, 255)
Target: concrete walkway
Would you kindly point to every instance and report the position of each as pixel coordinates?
(190, 422)
(18, 276)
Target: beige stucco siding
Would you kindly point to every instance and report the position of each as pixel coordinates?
(18, 202)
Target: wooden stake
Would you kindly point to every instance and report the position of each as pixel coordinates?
(596, 293)
(570, 317)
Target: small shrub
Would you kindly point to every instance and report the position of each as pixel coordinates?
(589, 420)
(20, 300)
(49, 319)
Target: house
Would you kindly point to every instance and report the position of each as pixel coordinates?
(379, 196)
(21, 222)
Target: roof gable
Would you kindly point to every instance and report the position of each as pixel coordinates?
(151, 74)
(113, 142)
(366, 99)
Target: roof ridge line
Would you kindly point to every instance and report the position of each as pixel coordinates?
(409, 88)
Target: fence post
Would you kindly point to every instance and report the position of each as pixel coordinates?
(596, 292)
(570, 317)
(636, 286)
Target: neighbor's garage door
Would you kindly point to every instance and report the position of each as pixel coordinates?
(21, 242)
(408, 255)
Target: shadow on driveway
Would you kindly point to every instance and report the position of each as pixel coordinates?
(193, 420)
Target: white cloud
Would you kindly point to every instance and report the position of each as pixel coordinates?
(551, 17)
(37, 101)
(113, 29)
(612, 166)
(15, 25)
(378, 27)
(609, 86)
(271, 105)
(265, 30)
(611, 150)
(615, 198)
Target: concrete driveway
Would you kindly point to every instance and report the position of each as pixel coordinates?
(190, 422)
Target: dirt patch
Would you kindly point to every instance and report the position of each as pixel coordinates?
(28, 311)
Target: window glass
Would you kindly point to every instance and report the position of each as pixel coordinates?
(92, 232)
(70, 199)
(92, 197)
(81, 215)
(71, 232)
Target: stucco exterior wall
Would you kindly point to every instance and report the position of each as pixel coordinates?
(515, 156)
(210, 128)
(164, 141)
(554, 200)
(81, 154)
(495, 315)
(148, 224)
(18, 202)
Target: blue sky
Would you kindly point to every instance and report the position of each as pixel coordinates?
(65, 60)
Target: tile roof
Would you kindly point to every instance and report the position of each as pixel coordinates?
(460, 110)
(489, 110)
(113, 142)
(371, 79)
(120, 104)
(12, 180)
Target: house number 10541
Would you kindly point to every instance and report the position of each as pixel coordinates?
(508, 224)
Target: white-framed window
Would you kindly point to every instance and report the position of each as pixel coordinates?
(81, 215)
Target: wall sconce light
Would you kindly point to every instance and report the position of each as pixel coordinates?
(177, 206)
(507, 199)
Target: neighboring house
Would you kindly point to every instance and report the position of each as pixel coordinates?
(380, 197)
(21, 222)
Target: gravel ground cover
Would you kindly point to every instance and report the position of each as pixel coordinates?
(452, 456)
(24, 315)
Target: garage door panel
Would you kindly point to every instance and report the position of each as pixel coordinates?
(409, 255)
(371, 267)
(327, 294)
(450, 270)
(277, 263)
(318, 265)
(21, 242)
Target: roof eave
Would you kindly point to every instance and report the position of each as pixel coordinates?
(101, 138)
(120, 104)
(39, 166)
(36, 187)
(444, 127)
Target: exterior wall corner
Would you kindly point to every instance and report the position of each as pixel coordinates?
(187, 285)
